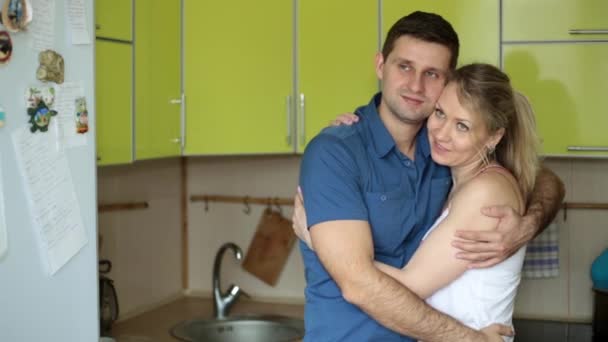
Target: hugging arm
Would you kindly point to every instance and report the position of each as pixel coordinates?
(487, 248)
(433, 266)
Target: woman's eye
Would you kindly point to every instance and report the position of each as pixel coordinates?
(462, 127)
(439, 113)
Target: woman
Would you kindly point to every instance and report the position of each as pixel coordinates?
(484, 131)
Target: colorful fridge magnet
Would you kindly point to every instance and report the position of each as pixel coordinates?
(2, 116)
(51, 67)
(39, 102)
(82, 115)
(16, 14)
(6, 47)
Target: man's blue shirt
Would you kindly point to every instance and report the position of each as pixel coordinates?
(357, 173)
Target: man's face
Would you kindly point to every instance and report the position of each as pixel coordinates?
(413, 77)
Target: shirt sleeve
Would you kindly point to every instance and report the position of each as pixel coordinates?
(330, 182)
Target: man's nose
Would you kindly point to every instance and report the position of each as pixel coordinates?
(416, 83)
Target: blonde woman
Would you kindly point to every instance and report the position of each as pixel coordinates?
(484, 131)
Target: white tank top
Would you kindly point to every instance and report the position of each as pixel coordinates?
(480, 297)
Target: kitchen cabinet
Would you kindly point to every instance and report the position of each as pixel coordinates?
(138, 81)
(337, 42)
(157, 79)
(556, 20)
(113, 19)
(567, 87)
(238, 76)
(265, 77)
(475, 21)
(113, 92)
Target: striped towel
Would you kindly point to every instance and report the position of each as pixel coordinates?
(542, 255)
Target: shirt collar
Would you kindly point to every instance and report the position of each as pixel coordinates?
(382, 140)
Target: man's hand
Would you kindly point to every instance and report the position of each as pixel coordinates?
(299, 219)
(488, 248)
(494, 332)
(344, 119)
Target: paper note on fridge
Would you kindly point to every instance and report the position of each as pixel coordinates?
(78, 22)
(3, 233)
(52, 201)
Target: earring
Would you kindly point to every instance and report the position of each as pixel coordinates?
(490, 150)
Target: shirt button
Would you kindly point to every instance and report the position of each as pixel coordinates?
(383, 198)
(408, 163)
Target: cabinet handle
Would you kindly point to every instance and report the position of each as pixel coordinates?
(590, 31)
(588, 148)
(175, 101)
(302, 119)
(97, 27)
(176, 140)
(288, 111)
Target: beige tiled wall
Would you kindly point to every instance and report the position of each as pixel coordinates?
(144, 245)
(582, 236)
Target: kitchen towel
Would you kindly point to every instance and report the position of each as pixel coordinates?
(542, 254)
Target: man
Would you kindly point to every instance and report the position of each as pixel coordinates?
(372, 190)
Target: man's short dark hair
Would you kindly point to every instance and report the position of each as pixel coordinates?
(429, 27)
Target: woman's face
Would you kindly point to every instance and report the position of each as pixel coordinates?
(458, 137)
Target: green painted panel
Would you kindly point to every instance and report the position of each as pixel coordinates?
(475, 21)
(238, 72)
(157, 78)
(113, 19)
(551, 19)
(337, 43)
(566, 85)
(113, 89)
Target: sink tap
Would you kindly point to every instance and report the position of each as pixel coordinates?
(223, 301)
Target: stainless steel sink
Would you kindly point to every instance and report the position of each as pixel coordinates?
(249, 328)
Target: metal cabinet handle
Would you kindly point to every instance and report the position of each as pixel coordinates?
(97, 27)
(289, 118)
(175, 101)
(175, 140)
(587, 31)
(588, 148)
(302, 117)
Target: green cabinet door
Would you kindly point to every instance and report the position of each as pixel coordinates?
(238, 74)
(113, 19)
(475, 21)
(113, 90)
(157, 78)
(525, 20)
(566, 85)
(337, 41)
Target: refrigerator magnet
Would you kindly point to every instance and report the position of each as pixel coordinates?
(6, 47)
(16, 14)
(2, 116)
(82, 115)
(51, 67)
(39, 102)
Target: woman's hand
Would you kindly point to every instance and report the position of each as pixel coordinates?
(299, 219)
(344, 119)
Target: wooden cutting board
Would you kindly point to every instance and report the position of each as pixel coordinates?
(270, 247)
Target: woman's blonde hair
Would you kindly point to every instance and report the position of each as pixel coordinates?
(486, 90)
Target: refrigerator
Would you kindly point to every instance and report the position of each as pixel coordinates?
(48, 205)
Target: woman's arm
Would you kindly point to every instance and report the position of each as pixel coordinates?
(434, 264)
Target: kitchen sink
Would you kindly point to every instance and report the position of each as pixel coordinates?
(250, 328)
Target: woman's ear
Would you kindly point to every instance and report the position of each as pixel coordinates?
(496, 138)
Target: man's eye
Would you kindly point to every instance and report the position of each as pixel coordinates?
(404, 67)
(432, 74)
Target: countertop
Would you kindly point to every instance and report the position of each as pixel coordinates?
(154, 325)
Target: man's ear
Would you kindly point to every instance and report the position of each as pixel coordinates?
(379, 64)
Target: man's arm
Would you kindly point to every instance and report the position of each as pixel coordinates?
(486, 249)
(346, 251)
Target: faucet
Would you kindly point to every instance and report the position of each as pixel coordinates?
(224, 301)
